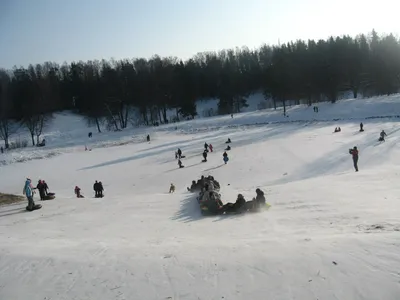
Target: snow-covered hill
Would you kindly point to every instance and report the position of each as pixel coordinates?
(331, 233)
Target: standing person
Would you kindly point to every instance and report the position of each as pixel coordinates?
(96, 189)
(210, 147)
(205, 155)
(101, 190)
(361, 127)
(205, 147)
(28, 192)
(148, 137)
(226, 158)
(41, 189)
(354, 153)
(179, 153)
(46, 187)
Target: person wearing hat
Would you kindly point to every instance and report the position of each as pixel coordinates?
(28, 192)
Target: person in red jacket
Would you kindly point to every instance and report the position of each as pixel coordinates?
(354, 154)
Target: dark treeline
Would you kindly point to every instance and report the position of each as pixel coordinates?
(106, 91)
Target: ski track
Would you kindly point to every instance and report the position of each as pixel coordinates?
(330, 233)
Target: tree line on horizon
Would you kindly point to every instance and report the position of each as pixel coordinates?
(107, 90)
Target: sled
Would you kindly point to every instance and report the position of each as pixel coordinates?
(49, 196)
(35, 207)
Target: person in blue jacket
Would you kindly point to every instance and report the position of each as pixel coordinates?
(28, 192)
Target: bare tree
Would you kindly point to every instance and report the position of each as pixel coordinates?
(35, 124)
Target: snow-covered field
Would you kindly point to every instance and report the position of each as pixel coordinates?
(331, 233)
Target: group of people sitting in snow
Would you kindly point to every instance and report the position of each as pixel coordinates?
(211, 203)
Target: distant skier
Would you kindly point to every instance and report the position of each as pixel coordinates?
(225, 157)
(382, 136)
(205, 147)
(1, 149)
(210, 147)
(90, 135)
(361, 127)
(148, 137)
(204, 155)
(354, 153)
(179, 152)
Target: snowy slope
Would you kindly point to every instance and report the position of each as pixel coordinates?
(69, 132)
(331, 233)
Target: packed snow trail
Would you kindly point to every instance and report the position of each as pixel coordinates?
(331, 233)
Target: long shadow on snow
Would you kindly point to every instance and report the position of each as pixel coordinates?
(182, 144)
(13, 211)
(189, 210)
(186, 167)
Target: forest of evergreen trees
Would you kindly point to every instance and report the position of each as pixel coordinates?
(105, 91)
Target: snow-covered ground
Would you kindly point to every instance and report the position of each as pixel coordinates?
(331, 233)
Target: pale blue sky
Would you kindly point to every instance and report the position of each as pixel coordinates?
(35, 31)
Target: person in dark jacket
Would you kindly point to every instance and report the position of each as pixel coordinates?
(205, 156)
(101, 189)
(205, 147)
(260, 198)
(382, 136)
(41, 188)
(237, 207)
(96, 189)
(361, 127)
(180, 164)
(179, 152)
(354, 154)
(46, 187)
(193, 187)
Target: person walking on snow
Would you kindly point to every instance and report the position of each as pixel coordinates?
(205, 147)
(225, 157)
(354, 154)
